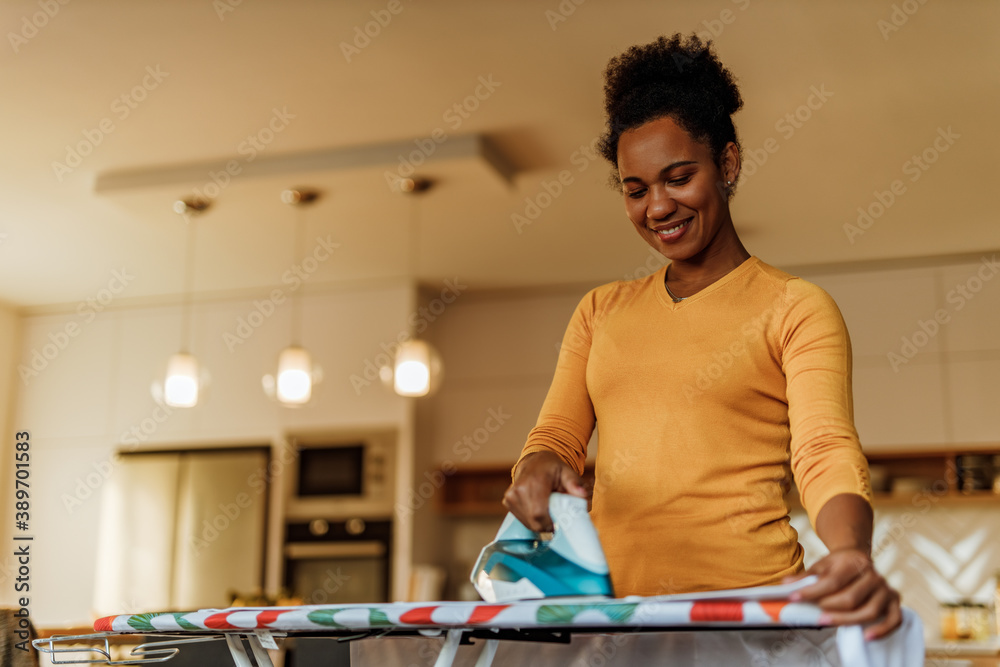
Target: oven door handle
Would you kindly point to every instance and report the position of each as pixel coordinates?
(359, 549)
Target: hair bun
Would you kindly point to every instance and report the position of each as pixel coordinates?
(677, 77)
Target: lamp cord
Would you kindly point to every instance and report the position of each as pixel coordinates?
(414, 235)
(189, 255)
(300, 221)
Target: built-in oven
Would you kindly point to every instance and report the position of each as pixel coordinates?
(338, 561)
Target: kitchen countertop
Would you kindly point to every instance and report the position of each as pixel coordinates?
(963, 647)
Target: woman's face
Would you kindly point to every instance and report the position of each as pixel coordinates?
(675, 193)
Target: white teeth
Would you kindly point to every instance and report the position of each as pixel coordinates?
(671, 230)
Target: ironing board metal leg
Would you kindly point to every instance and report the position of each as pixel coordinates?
(237, 650)
(490, 650)
(447, 655)
(259, 652)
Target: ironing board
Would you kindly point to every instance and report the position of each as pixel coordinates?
(249, 630)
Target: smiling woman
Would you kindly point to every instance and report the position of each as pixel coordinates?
(719, 376)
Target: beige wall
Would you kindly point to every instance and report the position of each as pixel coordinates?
(926, 352)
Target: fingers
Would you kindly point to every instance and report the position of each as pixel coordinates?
(881, 614)
(851, 592)
(829, 582)
(571, 483)
(537, 476)
(893, 619)
(837, 572)
(854, 592)
(530, 505)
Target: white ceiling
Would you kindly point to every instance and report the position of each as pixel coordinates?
(61, 241)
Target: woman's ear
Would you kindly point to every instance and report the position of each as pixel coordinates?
(730, 163)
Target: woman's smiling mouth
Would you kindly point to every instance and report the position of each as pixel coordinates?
(673, 232)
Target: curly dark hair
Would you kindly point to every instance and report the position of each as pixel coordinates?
(671, 77)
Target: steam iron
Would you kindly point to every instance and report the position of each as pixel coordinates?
(519, 565)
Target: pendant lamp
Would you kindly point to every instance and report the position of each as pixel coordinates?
(292, 385)
(417, 369)
(183, 382)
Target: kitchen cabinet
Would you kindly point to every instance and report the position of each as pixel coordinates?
(478, 490)
(962, 473)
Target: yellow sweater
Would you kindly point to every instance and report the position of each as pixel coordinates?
(705, 408)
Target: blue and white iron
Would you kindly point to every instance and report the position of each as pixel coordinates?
(519, 565)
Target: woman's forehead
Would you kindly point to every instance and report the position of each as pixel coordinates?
(657, 144)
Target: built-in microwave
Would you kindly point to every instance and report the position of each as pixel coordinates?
(343, 475)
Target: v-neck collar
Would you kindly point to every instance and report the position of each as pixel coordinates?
(661, 286)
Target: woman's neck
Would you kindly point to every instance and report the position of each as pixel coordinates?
(714, 262)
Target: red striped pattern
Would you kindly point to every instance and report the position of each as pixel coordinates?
(219, 622)
(717, 611)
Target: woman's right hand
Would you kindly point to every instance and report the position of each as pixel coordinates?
(536, 477)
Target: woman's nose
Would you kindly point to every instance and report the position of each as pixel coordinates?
(661, 204)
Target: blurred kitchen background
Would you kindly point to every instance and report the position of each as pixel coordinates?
(869, 138)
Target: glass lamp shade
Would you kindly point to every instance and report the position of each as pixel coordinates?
(294, 376)
(181, 387)
(417, 369)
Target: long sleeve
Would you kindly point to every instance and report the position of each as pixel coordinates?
(826, 454)
(567, 419)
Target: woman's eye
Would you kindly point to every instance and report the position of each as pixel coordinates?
(635, 194)
(680, 180)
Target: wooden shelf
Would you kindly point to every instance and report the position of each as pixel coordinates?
(478, 491)
(474, 491)
(921, 499)
(943, 474)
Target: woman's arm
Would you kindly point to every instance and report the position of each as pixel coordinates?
(849, 590)
(553, 456)
(829, 466)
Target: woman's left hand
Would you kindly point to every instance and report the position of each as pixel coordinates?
(851, 592)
